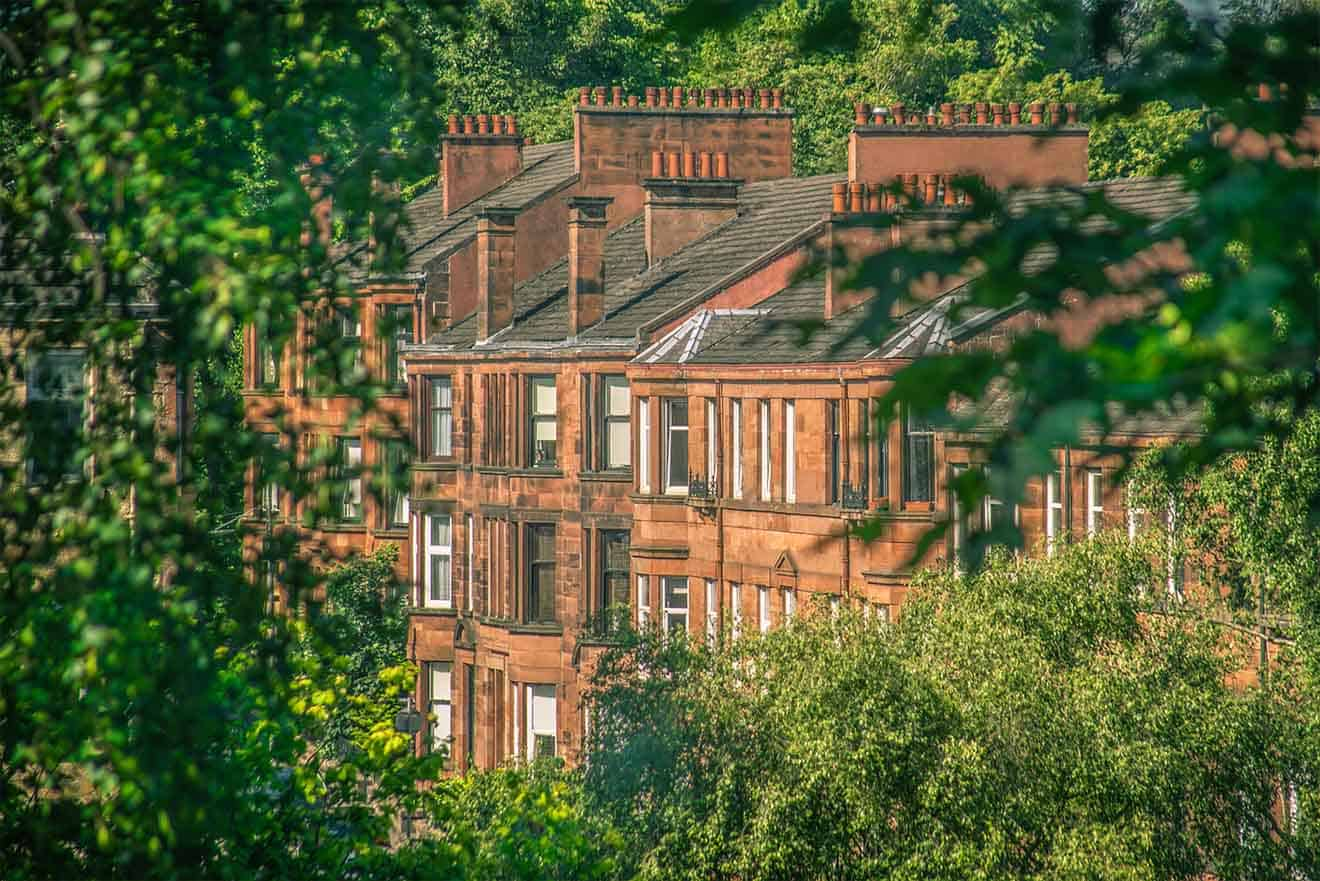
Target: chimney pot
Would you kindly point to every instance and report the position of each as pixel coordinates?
(777, 98)
(965, 114)
(703, 165)
(946, 182)
(1054, 112)
(689, 164)
(946, 114)
(910, 185)
(722, 165)
(725, 99)
(764, 96)
(861, 113)
(856, 197)
(497, 125)
(600, 96)
(678, 96)
(469, 125)
(839, 195)
(1014, 113)
(930, 116)
(930, 183)
(672, 165)
(452, 126)
(584, 96)
(982, 113)
(898, 112)
(1037, 113)
(632, 101)
(874, 193)
(650, 96)
(616, 95)
(749, 97)
(657, 164)
(997, 110)
(1264, 92)
(664, 96)
(483, 124)
(708, 96)
(1072, 113)
(510, 124)
(586, 261)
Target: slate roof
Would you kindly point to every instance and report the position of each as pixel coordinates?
(428, 234)
(770, 214)
(773, 332)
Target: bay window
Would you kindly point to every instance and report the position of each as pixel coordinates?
(676, 445)
(438, 556)
(542, 722)
(615, 431)
(918, 459)
(675, 595)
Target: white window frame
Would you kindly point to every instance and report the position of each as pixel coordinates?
(790, 604)
(763, 607)
(1053, 511)
(790, 451)
(270, 488)
(712, 445)
(959, 521)
(643, 600)
(764, 429)
(712, 611)
(670, 432)
(644, 445)
(1095, 500)
(440, 678)
(735, 609)
(536, 726)
(432, 549)
(471, 559)
(441, 415)
(612, 420)
(672, 612)
(735, 448)
(538, 416)
(1134, 516)
(351, 509)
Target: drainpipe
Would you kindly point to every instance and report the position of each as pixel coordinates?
(719, 505)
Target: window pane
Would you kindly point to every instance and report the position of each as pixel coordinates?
(543, 396)
(442, 393)
(676, 452)
(618, 450)
(441, 531)
(442, 591)
(616, 396)
(676, 593)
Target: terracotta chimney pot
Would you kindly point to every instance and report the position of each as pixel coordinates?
(777, 98)
(704, 165)
(1037, 113)
(1072, 113)
(452, 124)
(982, 113)
(671, 165)
(946, 114)
(722, 165)
(584, 95)
(897, 111)
(856, 197)
(839, 195)
(657, 164)
(689, 165)
(616, 95)
(469, 125)
(632, 101)
(997, 111)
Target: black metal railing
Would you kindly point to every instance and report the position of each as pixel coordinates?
(701, 487)
(853, 498)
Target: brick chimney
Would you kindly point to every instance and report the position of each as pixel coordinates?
(687, 195)
(477, 154)
(1031, 149)
(586, 261)
(495, 270)
(614, 135)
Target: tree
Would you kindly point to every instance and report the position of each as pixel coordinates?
(1036, 719)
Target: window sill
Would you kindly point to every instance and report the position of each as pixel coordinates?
(547, 628)
(658, 499)
(343, 527)
(620, 476)
(392, 532)
(432, 612)
(491, 469)
(535, 472)
(262, 392)
(443, 465)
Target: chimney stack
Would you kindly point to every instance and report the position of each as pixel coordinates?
(477, 157)
(586, 261)
(679, 209)
(495, 270)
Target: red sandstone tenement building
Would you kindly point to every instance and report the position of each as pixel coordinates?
(612, 414)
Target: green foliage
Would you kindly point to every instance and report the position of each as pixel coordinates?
(1036, 720)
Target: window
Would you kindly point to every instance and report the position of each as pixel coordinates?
(712, 614)
(763, 607)
(442, 416)
(881, 444)
(540, 572)
(545, 422)
(396, 484)
(712, 446)
(268, 503)
(439, 703)
(643, 600)
(1095, 501)
(765, 450)
(1136, 516)
(395, 332)
(790, 451)
(349, 326)
(959, 519)
(834, 604)
(918, 460)
(735, 448)
(439, 554)
(267, 360)
(676, 445)
(993, 511)
(644, 445)
(614, 569)
(735, 609)
(471, 564)
(1053, 510)
(790, 604)
(615, 433)
(55, 396)
(350, 461)
(541, 721)
(832, 452)
(675, 595)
